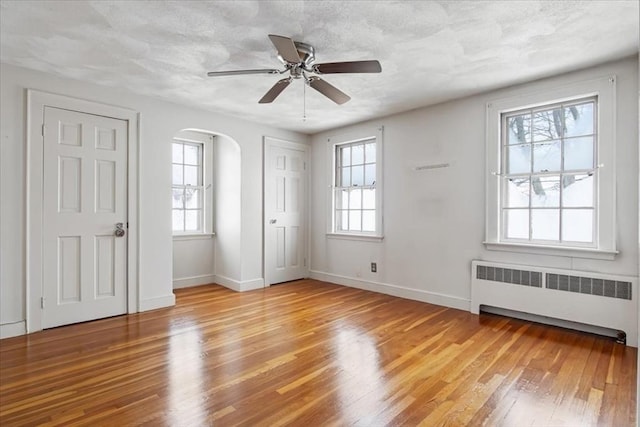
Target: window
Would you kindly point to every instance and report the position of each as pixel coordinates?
(356, 195)
(188, 187)
(549, 173)
(551, 180)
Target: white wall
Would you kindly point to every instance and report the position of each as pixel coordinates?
(159, 122)
(434, 220)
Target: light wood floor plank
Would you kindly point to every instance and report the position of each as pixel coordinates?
(311, 353)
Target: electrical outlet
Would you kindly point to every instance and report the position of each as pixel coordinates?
(374, 267)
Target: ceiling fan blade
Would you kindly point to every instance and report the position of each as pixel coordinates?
(286, 48)
(328, 90)
(240, 72)
(348, 67)
(275, 90)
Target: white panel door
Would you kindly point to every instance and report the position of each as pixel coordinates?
(285, 195)
(85, 197)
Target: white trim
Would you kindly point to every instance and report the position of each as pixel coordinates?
(199, 236)
(552, 250)
(394, 290)
(605, 89)
(15, 329)
(268, 142)
(158, 302)
(240, 286)
(36, 102)
(360, 237)
(187, 282)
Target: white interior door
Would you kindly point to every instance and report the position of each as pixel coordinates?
(285, 195)
(85, 197)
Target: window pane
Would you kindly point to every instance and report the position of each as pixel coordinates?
(355, 221)
(577, 225)
(191, 175)
(177, 198)
(368, 221)
(370, 153)
(176, 152)
(579, 120)
(578, 153)
(342, 201)
(357, 154)
(346, 177)
(192, 198)
(519, 129)
(177, 174)
(370, 174)
(517, 223)
(355, 199)
(577, 190)
(546, 157)
(369, 199)
(192, 220)
(345, 153)
(344, 224)
(519, 159)
(547, 124)
(517, 194)
(357, 175)
(545, 191)
(545, 224)
(191, 154)
(178, 220)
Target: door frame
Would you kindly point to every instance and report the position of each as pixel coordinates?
(36, 102)
(269, 142)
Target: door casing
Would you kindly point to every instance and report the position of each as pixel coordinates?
(36, 102)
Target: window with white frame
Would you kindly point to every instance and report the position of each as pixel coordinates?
(188, 187)
(551, 177)
(549, 173)
(356, 195)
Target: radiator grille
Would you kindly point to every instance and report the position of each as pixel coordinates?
(560, 282)
(589, 285)
(509, 275)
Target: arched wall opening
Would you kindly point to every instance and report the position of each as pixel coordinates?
(214, 253)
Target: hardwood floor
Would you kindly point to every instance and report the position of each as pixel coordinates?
(311, 353)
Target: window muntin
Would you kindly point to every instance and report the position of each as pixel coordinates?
(188, 188)
(549, 170)
(355, 187)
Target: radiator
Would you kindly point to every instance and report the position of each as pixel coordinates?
(581, 297)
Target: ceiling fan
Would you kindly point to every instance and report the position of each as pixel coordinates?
(299, 60)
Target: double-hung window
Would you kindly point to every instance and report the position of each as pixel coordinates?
(551, 171)
(188, 187)
(356, 189)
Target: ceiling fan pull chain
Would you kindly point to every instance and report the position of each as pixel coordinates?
(304, 102)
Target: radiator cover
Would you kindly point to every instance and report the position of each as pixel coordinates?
(601, 300)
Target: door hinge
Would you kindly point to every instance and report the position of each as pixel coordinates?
(41, 302)
(43, 130)
(304, 262)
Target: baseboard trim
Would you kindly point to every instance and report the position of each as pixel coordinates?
(14, 329)
(394, 290)
(187, 282)
(157, 302)
(239, 286)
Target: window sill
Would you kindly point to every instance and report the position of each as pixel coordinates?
(360, 237)
(552, 250)
(198, 236)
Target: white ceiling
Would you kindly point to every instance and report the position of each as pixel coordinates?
(430, 51)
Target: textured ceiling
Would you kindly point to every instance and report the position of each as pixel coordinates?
(430, 51)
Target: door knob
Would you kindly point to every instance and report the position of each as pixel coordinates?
(119, 232)
(272, 221)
